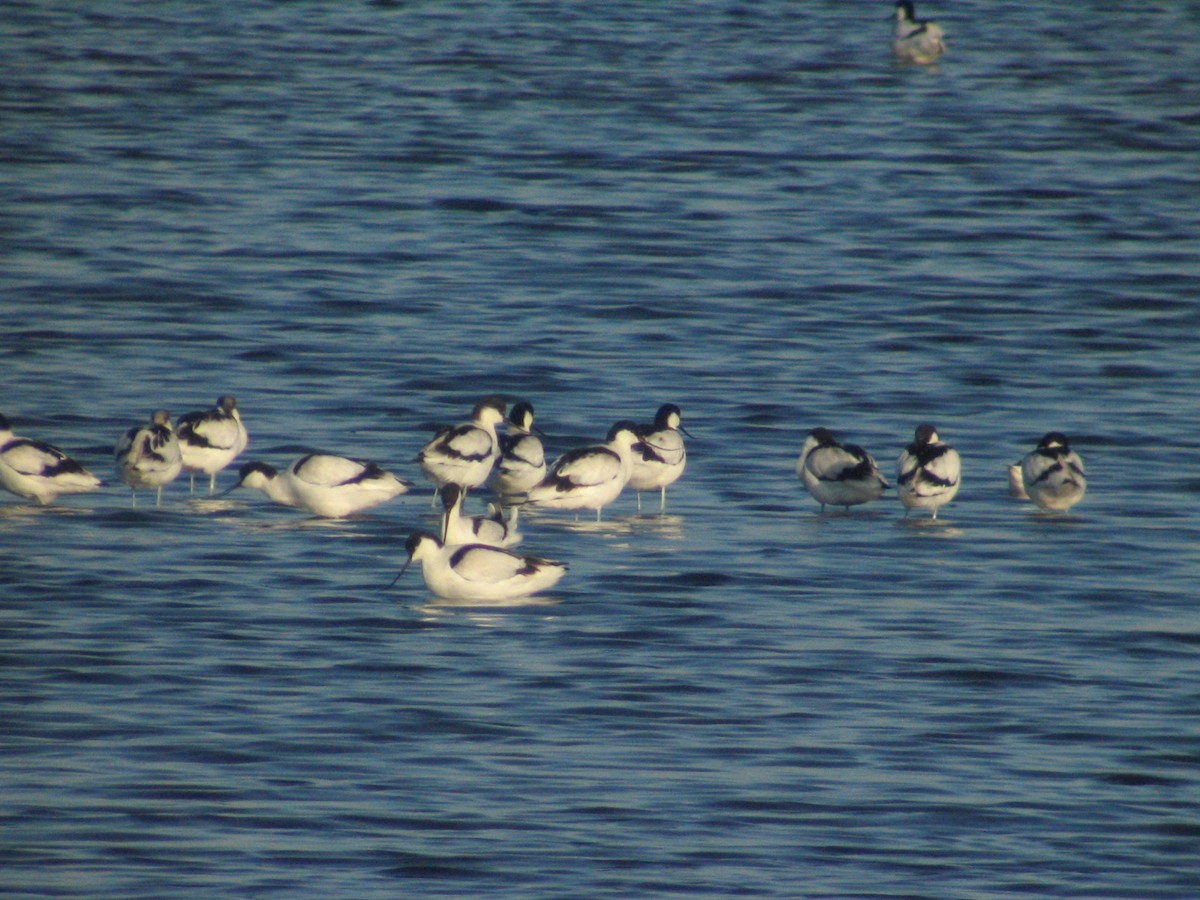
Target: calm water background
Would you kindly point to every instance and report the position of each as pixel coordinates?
(359, 218)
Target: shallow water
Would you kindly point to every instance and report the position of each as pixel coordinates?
(360, 219)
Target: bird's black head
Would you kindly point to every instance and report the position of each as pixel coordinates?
(662, 418)
(255, 466)
(822, 435)
(416, 539)
(521, 414)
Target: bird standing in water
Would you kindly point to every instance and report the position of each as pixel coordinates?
(927, 472)
(149, 456)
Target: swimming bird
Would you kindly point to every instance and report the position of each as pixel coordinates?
(476, 572)
(927, 472)
(1053, 474)
(149, 456)
(522, 462)
(589, 477)
(659, 456)
(210, 440)
(838, 474)
(39, 471)
(458, 528)
(325, 485)
(464, 454)
(914, 40)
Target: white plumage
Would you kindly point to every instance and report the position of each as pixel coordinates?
(459, 528)
(149, 456)
(474, 572)
(589, 477)
(39, 471)
(210, 440)
(522, 462)
(325, 485)
(464, 454)
(838, 474)
(914, 40)
(659, 456)
(927, 472)
(1016, 483)
(1053, 474)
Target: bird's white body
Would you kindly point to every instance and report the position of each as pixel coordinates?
(1016, 483)
(39, 471)
(659, 456)
(478, 573)
(838, 474)
(1053, 474)
(459, 528)
(464, 454)
(211, 440)
(928, 472)
(325, 485)
(149, 456)
(589, 477)
(522, 462)
(915, 41)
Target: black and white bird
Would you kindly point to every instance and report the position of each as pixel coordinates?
(522, 462)
(148, 456)
(464, 454)
(325, 485)
(39, 471)
(659, 456)
(927, 472)
(460, 528)
(211, 439)
(916, 41)
(589, 477)
(1053, 474)
(478, 573)
(838, 474)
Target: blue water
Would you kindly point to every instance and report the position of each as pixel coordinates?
(360, 218)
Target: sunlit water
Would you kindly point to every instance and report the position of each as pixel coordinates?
(360, 218)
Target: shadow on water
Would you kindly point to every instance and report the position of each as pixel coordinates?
(20, 513)
(941, 527)
(433, 604)
(665, 525)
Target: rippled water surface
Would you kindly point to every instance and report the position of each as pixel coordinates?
(360, 218)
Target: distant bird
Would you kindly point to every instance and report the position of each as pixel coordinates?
(464, 454)
(149, 456)
(589, 477)
(39, 471)
(1053, 474)
(211, 440)
(325, 485)
(1016, 483)
(659, 456)
(459, 528)
(838, 474)
(522, 462)
(477, 573)
(914, 40)
(927, 472)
